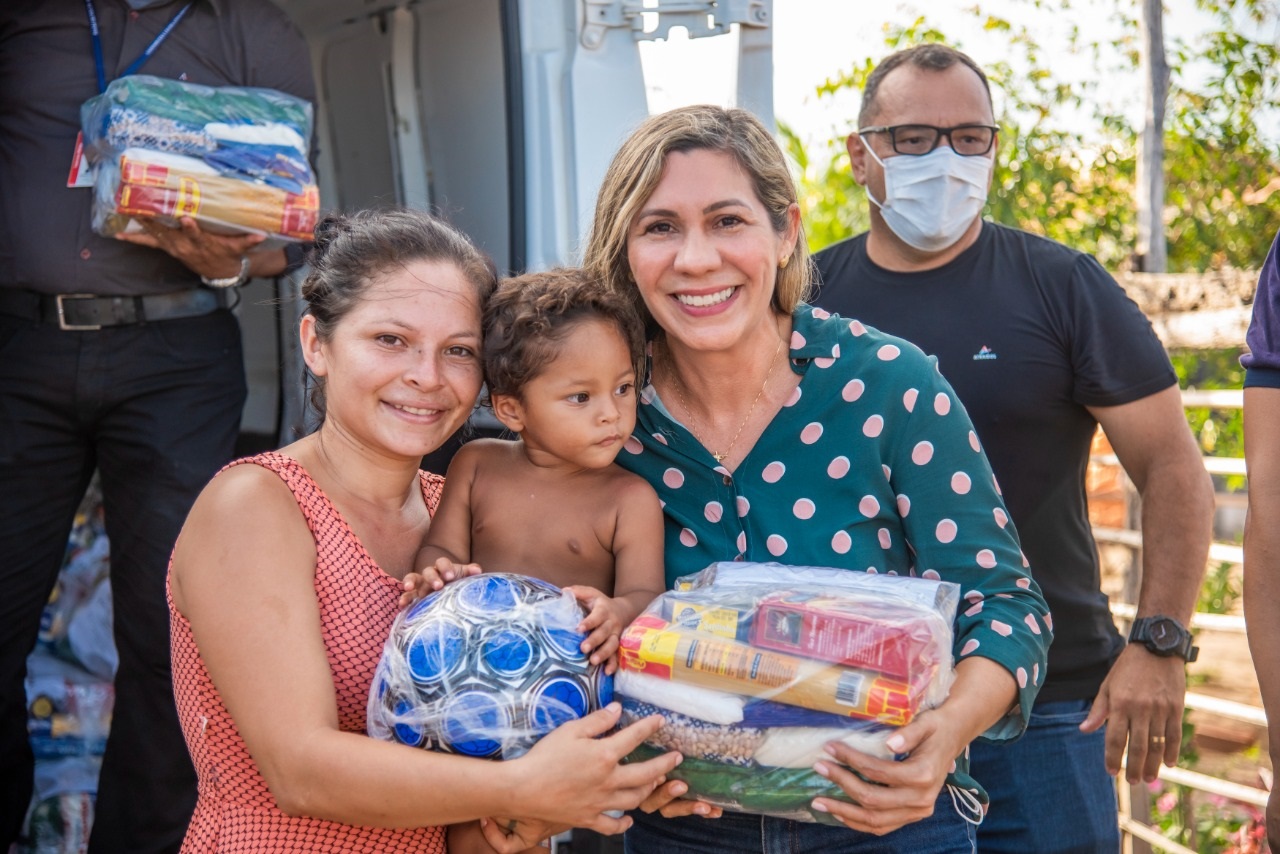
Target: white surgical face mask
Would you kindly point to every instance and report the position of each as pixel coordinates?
(931, 200)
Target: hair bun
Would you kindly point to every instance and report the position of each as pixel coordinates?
(328, 229)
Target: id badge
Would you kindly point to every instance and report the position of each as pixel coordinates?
(81, 174)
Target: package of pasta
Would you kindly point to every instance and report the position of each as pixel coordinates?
(756, 667)
(232, 158)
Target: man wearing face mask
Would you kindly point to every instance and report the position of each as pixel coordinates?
(120, 354)
(1041, 345)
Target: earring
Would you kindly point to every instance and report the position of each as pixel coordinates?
(783, 262)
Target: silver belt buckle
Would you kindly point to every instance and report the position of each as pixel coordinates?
(62, 315)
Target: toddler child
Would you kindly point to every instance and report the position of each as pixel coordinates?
(561, 355)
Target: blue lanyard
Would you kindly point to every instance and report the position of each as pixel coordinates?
(146, 54)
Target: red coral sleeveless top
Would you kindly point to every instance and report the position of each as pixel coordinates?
(235, 811)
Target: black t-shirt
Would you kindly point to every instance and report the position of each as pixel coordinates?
(1029, 333)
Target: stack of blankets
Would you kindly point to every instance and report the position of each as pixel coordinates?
(757, 666)
(234, 159)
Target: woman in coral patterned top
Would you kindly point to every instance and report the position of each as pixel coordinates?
(286, 576)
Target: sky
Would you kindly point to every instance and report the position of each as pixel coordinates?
(818, 39)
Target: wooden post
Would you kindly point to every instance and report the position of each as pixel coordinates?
(1151, 251)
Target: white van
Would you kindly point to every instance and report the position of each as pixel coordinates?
(502, 115)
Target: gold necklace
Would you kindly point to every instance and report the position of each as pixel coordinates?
(678, 384)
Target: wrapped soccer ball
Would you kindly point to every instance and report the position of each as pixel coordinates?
(485, 667)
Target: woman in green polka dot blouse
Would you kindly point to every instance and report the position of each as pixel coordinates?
(774, 431)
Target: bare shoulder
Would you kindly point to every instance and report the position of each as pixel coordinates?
(628, 486)
(479, 452)
(245, 517)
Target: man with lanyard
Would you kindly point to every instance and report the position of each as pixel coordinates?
(117, 354)
(1041, 345)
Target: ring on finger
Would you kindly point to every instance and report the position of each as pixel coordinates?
(1157, 739)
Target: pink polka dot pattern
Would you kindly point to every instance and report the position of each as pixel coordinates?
(960, 483)
(773, 472)
(946, 531)
(797, 341)
(941, 403)
(674, 478)
(794, 398)
(1022, 677)
(658, 437)
(888, 473)
(909, 399)
(853, 390)
(838, 468)
(904, 506)
(973, 442)
(885, 540)
(823, 362)
(986, 559)
(688, 538)
(841, 543)
(922, 453)
(970, 647)
(1001, 517)
(777, 545)
(632, 445)
(872, 426)
(1030, 620)
(741, 542)
(932, 574)
(811, 433)
(803, 509)
(714, 511)
(1001, 628)
(888, 352)
(868, 506)
(821, 313)
(857, 329)
(743, 504)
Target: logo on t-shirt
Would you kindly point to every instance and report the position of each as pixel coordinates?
(984, 354)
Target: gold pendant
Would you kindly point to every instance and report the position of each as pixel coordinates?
(719, 457)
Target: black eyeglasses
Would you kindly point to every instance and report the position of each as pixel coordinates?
(915, 140)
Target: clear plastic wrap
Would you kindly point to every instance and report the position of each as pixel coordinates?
(757, 666)
(232, 158)
(485, 667)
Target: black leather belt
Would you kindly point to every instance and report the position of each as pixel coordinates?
(85, 312)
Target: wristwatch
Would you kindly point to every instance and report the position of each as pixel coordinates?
(231, 281)
(1164, 636)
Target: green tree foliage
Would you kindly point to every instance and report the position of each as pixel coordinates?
(1067, 163)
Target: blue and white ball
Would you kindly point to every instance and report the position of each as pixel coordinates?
(485, 667)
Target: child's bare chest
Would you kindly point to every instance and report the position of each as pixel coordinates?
(565, 537)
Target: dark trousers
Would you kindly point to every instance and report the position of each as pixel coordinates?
(156, 408)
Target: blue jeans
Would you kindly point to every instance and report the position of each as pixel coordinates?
(1050, 790)
(944, 832)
